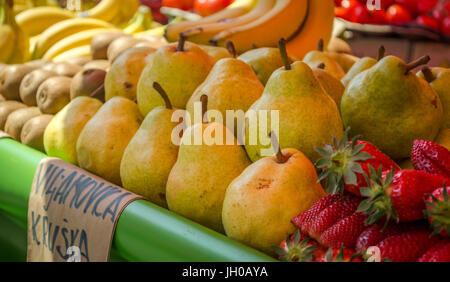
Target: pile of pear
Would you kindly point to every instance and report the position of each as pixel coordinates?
(129, 117)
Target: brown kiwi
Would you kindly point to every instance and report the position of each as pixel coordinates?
(30, 84)
(67, 69)
(10, 79)
(81, 61)
(53, 94)
(17, 119)
(86, 82)
(98, 64)
(120, 45)
(38, 63)
(33, 132)
(100, 43)
(6, 108)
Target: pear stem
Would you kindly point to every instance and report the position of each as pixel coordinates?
(204, 100)
(181, 41)
(231, 49)
(163, 94)
(276, 146)
(429, 76)
(381, 53)
(283, 53)
(414, 64)
(320, 45)
(321, 66)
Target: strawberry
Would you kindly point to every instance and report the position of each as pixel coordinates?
(438, 211)
(345, 232)
(298, 248)
(430, 157)
(400, 196)
(339, 255)
(440, 252)
(407, 246)
(344, 164)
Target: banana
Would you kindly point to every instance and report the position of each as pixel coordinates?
(128, 9)
(106, 10)
(318, 25)
(36, 20)
(63, 29)
(7, 38)
(202, 34)
(236, 9)
(73, 41)
(282, 21)
(18, 39)
(141, 21)
(81, 51)
(157, 29)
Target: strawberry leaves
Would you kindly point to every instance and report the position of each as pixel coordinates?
(438, 211)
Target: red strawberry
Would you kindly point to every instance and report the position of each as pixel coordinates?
(345, 232)
(341, 209)
(339, 255)
(298, 248)
(440, 252)
(438, 211)
(430, 157)
(400, 196)
(303, 220)
(344, 164)
(407, 246)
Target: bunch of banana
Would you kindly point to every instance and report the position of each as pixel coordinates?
(141, 21)
(80, 51)
(14, 48)
(157, 29)
(35, 20)
(116, 12)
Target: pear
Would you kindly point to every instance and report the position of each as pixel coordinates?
(362, 65)
(264, 61)
(338, 45)
(151, 154)
(308, 116)
(346, 61)
(197, 183)
(105, 137)
(179, 68)
(315, 57)
(439, 79)
(231, 85)
(443, 138)
(216, 52)
(391, 107)
(260, 203)
(61, 134)
(330, 84)
(123, 76)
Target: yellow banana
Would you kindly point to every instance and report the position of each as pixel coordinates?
(73, 41)
(36, 20)
(81, 51)
(106, 10)
(236, 9)
(318, 25)
(141, 21)
(202, 34)
(20, 41)
(128, 9)
(158, 30)
(7, 38)
(282, 21)
(63, 29)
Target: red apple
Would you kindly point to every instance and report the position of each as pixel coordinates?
(397, 14)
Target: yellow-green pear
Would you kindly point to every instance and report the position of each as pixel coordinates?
(316, 57)
(180, 68)
(362, 65)
(264, 61)
(330, 84)
(260, 203)
(439, 79)
(198, 181)
(61, 134)
(151, 154)
(346, 61)
(307, 117)
(104, 138)
(216, 52)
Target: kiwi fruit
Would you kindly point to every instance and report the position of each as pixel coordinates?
(80, 61)
(120, 45)
(17, 119)
(32, 133)
(86, 82)
(53, 94)
(101, 42)
(10, 79)
(67, 69)
(98, 64)
(30, 84)
(37, 63)
(6, 108)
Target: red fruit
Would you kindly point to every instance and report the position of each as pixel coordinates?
(427, 21)
(340, 255)
(438, 211)
(303, 220)
(350, 4)
(345, 232)
(411, 5)
(299, 248)
(424, 6)
(173, 4)
(445, 26)
(397, 14)
(430, 157)
(378, 16)
(440, 252)
(386, 3)
(361, 15)
(400, 196)
(407, 246)
(209, 7)
(341, 209)
(343, 13)
(345, 163)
